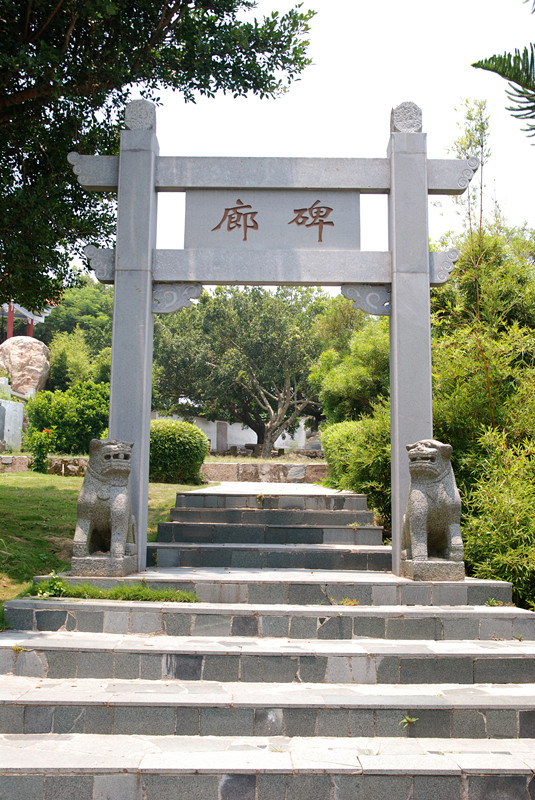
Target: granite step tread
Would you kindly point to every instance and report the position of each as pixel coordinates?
(239, 768)
(35, 706)
(260, 556)
(305, 497)
(32, 691)
(252, 659)
(311, 587)
(267, 533)
(328, 621)
(74, 640)
(271, 516)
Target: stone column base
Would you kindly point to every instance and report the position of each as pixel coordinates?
(437, 569)
(104, 566)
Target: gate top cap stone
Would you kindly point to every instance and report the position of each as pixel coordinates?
(406, 118)
(140, 115)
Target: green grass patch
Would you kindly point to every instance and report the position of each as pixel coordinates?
(38, 518)
(55, 586)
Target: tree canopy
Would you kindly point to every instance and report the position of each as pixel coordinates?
(67, 68)
(519, 70)
(241, 355)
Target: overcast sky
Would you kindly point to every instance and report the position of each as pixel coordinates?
(368, 57)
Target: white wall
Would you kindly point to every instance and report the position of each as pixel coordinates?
(238, 436)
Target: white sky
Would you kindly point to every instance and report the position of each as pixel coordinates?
(368, 57)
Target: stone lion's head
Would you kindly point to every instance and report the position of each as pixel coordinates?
(108, 457)
(429, 458)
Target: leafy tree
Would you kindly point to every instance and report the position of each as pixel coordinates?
(87, 307)
(241, 355)
(69, 360)
(519, 70)
(335, 326)
(473, 141)
(348, 385)
(66, 70)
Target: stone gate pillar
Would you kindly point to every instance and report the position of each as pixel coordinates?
(410, 322)
(131, 364)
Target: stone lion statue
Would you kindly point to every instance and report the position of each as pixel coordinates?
(104, 540)
(432, 521)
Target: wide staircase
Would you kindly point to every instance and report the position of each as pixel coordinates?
(307, 671)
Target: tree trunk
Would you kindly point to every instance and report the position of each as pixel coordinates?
(267, 446)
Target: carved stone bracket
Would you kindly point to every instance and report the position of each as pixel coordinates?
(169, 297)
(369, 297)
(102, 261)
(95, 173)
(441, 265)
(468, 173)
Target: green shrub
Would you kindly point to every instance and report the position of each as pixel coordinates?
(177, 452)
(358, 456)
(77, 415)
(40, 443)
(499, 524)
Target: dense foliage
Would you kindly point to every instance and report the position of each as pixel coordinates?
(358, 455)
(241, 355)
(177, 451)
(499, 526)
(349, 383)
(76, 416)
(66, 70)
(78, 333)
(483, 342)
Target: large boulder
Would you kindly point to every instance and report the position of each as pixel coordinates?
(27, 361)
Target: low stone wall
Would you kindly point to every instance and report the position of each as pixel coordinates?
(252, 471)
(14, 463)
(269, 473)
(58, 466)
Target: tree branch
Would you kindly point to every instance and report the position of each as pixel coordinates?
(48, 20)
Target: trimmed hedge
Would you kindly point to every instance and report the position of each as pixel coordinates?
(177, 452)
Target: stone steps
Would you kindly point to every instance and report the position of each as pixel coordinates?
(295, 622)
(272, 516)
(236, 533)
(270, 556)
(91, 767)
(312, 587)
(304, 498)
(71, 654)
(91, 706)
(272, 687)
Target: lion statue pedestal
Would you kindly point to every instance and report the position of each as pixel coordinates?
(104, 540)
(432, 547)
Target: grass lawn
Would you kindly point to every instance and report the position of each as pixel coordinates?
(37, 521)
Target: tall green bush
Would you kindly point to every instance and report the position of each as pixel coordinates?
(77, 415)
(499, 524)
(177, 451)
(358, 456)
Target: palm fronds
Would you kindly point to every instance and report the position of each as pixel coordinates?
(519, 70)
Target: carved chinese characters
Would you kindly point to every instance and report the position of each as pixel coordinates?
(240, 216)
(315, 215)
(257, 219)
